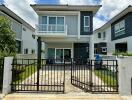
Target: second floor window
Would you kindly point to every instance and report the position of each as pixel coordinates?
(53, 23)
(99, 35)
(119, 28)
(86, 24)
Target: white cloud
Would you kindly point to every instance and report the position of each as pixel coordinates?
(112, 7)
(108, 10)
(23, 9)
(97, 22)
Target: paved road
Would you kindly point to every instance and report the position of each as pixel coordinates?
(63, 97)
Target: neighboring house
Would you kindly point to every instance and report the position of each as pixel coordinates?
(118, 34)
(66, 30)
(25, 39)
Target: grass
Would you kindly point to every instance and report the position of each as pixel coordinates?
(107, 76)
(23, 73)
(122, 53)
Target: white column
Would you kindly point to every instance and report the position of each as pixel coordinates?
(91, 47)
(72, 52)
(7, 77)
(79, 25)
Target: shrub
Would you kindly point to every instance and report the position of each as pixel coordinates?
(122, 53)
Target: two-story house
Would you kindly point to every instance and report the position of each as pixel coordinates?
(118, 33)
(66, 30)
(25, 41)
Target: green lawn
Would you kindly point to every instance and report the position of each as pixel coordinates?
(21, 73)
(107, 76)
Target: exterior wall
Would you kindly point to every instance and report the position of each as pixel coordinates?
(59, 45)
(70, 20)
(107, 39)
(128, 24)
(72, 25)
(28, 42)
(67, 39)
(17, 28)
(128, 40)
(90, 14)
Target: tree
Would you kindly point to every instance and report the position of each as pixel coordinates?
(7, 37)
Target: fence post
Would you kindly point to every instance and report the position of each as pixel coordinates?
(125, 74)
(7, 75)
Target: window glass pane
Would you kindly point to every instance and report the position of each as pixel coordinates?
(44, 19)
(51, 53)
(52, 20)
(86, 21)
(116, 27)
(60, 28)
(86, 29)
(122, 25)
(99, 35)
(60, 20)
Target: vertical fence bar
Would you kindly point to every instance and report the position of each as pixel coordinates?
(71, 70)
(64, 78)
(117, 84)
(1, 73)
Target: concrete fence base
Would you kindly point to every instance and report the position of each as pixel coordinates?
(7, 77)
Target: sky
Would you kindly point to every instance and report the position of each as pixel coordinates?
(109, 8)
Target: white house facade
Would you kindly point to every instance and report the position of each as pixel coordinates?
(66, 30)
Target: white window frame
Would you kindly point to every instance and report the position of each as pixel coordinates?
(56, 21)
(119, 28)
(87, 26)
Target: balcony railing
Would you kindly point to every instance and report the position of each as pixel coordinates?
(51, 29)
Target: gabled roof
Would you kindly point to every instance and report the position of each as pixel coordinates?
(11, 14)
(53, 7)
(118, 16)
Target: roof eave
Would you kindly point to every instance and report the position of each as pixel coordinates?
(93, 8)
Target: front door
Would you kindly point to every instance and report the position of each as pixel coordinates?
(67, 55)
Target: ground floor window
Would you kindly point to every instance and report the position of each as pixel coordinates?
(18, 46)
(100, 48)
(121, 47)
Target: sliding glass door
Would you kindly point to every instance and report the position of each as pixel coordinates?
(59, 55)
(62, 54)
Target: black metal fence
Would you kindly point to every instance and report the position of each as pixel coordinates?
(27, 76)
(88, 75)
(1, 73)
(96, 76)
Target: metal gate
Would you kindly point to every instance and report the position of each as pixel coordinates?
(95, 76)
(27, 77)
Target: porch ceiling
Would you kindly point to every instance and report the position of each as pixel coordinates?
(65, 40)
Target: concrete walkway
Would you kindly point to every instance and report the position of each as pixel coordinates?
(63, 97)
